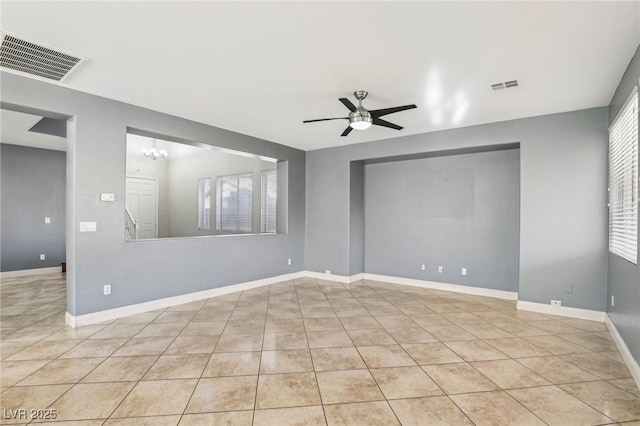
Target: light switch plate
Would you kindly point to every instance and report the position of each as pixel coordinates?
(107, 196)
(47, 220)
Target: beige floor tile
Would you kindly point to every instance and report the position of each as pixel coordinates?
(360, 414)
(508, 374)
(558, 408)
(371, 337)
(175, 317)
(9, 348)
(291, 325)
(599, 365)
(156, 398)
(411, 335)
(431, 320)
(230, 418)
(94, 348)
(495, 408)
(287, 390)
(555, 345)
(144, 346)
(597, 342)
(516, 347)
(396, 321)
(329, 359)
(475, 350)
(385, 356)
(585, 325)
(360, 323)
(96, 422)
(405, 382)
(118, 331)
(609, 399)
(322, 324)
(312, 416)
(614, 355)
(431, 353)
(459, 378)
(245, 327)
(121, 369)
(144, 421)
(555, 327)
(451, 333)
(11, 372)
(29, 397)
(177, 367)
(62, 371)
(283, 341)
(437, 411)
(239, 343)
(30, 334)
(521, 329)
(188, 307)
(79, 333)
(211, 315)
(627, 384)
(461, 318)
(348, 386)
(232, 364)
(44, 350)
(91, 400)
(192, 345)
(213, 328)
(290, 361)
(318, 312)
(328, 339)
(486, 331)
(161, 330)
(383, 310)
(143, 318)
(223, 394)
(556, 370)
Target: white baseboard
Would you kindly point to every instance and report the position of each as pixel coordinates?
(632, 364)
(331, 277)
(433, 285)
(563, 311)
(138, 308)
(27, 272)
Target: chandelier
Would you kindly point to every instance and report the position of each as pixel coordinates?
(153, 152)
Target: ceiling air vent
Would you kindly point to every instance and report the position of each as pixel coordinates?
(34, 60)
(504, 85)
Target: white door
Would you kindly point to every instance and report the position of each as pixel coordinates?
(143, 206)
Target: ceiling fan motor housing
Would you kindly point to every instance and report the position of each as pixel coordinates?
(360, 119)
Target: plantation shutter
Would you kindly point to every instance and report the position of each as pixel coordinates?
(623, 181)
(234, 202)
(268, 201)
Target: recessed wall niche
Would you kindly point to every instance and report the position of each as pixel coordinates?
(175, 189)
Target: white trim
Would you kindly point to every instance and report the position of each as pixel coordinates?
(27, 272)
(331, 277)
(632, 364)
(478, 291)
(563, 311)
(138, 308)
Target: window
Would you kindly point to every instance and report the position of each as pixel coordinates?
(233, 202)
(204, 203)
(623, 181)
(268, 201)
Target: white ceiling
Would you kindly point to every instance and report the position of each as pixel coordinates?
(14, 130)
(261, 68)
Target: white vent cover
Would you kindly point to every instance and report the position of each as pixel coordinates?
(504, 85)
(35, 60)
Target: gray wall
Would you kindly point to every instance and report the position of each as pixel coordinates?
(147, 270)
(454, 211)
(563, 215)
(623, 276)
(33, 187)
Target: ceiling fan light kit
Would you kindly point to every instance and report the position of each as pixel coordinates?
(360, 118)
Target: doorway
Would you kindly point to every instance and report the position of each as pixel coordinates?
(142, 207)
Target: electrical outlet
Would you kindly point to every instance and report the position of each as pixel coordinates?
(47, 220)
(423, 267)
(613, 301)
(107, 289)
(556, 302)
(288, 261)
(440, 269)
(328, 272)
(42, 257)
(464, 271)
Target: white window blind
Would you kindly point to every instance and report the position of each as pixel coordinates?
(623, 181)
(204, 203)
(233, 202)
(268, 201)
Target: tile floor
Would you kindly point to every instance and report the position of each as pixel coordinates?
(310, 352)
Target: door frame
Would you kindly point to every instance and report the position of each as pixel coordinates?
(157, 201)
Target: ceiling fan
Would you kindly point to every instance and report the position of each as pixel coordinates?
(360, 118)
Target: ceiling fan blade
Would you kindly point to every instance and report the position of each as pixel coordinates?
(385, 111)
(346, 102)
(347, 131)
(325, 119)
(380, 122)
